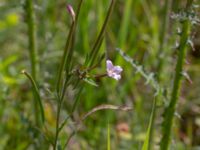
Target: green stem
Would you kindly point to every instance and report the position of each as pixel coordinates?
(65, 63)
(32, 37)
(29, 8)
(64, 58)
(170, 110)
(57, 124)
(68, 51)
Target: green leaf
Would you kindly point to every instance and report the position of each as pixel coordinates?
(108, 138)
(90, 81)
(147, 143)
(37, 94)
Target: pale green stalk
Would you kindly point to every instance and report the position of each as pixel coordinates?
(170, 110)
(30, 19)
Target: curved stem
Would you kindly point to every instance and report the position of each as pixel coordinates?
(36, 93)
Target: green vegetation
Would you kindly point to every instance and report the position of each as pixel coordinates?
(108, 74)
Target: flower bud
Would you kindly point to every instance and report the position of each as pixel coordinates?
(71, 11)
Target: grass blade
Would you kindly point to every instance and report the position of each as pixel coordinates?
(95, 49)
(125, 24)
(108, 138)
(148, 140)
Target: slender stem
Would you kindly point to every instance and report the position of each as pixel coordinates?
(29, 7)
(139, 69)
(76, 100)
(57, 124)
(59, 105)
(65, 63)
(101, 76)
(98, 42)
(64, 58)
(68, 51)
(32, 37)
(169, 113)
(69, 138)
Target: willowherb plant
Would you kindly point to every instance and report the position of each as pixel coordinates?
(69, 75)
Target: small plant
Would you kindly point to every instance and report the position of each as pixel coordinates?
(67, 74)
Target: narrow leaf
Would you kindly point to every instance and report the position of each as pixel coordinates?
(108, 138)
(37, 94)
(90, 81)
(147, 143)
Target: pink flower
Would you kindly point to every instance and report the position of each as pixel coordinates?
(113, 71)
(71, 11)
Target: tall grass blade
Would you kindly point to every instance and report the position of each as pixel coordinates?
(125, 23)
(108, 138)
(149, 135)
(98, 42)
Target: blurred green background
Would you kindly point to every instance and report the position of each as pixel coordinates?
(135, 27)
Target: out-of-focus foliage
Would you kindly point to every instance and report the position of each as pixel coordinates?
(135, 27)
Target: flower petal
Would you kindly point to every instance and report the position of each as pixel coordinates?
(113, 71)
(117, 69)
(109, 65)
(117, 76)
